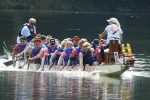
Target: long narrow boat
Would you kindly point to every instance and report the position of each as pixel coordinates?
(115, 68)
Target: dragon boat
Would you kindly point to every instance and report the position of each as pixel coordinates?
(115, 64)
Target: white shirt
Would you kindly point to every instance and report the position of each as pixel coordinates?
(25, 31)
(113, 33)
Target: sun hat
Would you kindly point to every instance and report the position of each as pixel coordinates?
(114, 20)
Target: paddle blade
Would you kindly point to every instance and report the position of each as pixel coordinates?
(8, 63)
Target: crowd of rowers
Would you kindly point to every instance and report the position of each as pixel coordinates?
(70, 51)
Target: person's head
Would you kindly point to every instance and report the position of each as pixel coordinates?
(37, 42)
(52, 42)
(43, 38)
(68, 39)
(114, 21)
(32, 22)
(63, 44)
(101, 42)
(76, 40)
(69, 44)
(23, 40)
(81, 42)
(86, 46)
(48, 38)
(95, 42)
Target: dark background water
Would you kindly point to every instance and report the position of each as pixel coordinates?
(41, 86)
(87, 25)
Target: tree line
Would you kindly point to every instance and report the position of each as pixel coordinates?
(78, 5)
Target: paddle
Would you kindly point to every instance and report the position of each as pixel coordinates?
(72, 67)
(43, 63)
(11, 62)
(8, 63)
(20, 67)
(28, 64)
(62, 67)
(50, 67)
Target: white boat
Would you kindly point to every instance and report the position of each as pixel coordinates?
(112, 70)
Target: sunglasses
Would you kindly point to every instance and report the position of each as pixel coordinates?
(37, 43)
(52, 44)
(32, 23)
(22, 41)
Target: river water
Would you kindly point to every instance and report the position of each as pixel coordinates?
(23, 85)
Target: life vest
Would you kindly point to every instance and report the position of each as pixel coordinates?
(74, 58)
(78, 49)
(50, 50)
(32, 35)
(76, 52)
(20, 48)
(60, 49)
(68, 52)
(36, 51)
(87, 57)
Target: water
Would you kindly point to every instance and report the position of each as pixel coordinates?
(24, 85)
(55, 86)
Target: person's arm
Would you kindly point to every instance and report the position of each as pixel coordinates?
(92, 51)
(60, 61)
(15, 50)
(121, 40)
(81, 60)
(102, 34)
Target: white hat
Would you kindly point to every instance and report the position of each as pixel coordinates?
(114, 20)
(32, 20)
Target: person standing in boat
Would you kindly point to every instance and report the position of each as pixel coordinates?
(113, 32)
(28, 30)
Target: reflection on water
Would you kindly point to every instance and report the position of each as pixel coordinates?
(24, 85)
(51, 86)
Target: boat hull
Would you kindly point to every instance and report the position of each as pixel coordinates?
(106, 69)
